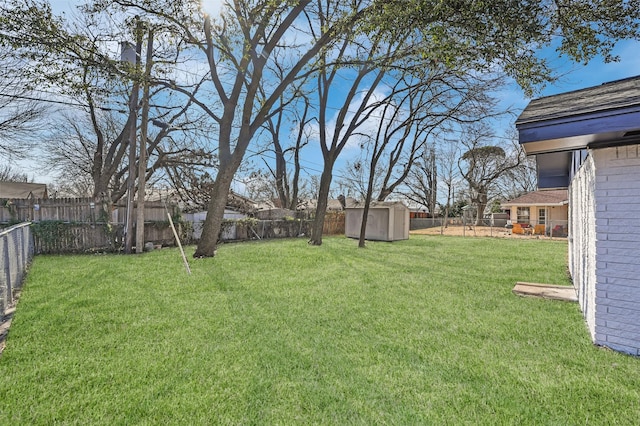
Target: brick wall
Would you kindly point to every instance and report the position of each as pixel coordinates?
(582, 240)
(617, 226)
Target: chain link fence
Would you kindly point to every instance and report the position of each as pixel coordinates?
(16, 252)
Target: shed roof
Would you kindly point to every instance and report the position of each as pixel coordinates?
(546, 197)
(381, 205)
(22, 190)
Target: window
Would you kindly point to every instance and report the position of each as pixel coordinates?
(523, 214)
(542, 216)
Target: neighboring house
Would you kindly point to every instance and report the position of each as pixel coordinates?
(419, 214)
(22, 190)
(274, 214)
(237, 208)
(201, 216)
(548, 207)
(239, 204)
(334, 205)
(197, 221)
(589, 141)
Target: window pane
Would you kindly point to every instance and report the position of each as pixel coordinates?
(523, 214)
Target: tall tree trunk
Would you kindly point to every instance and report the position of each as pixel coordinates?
(323, 201)
(131, 178)
(282, 182)
(100, 186)
(215, 213)
(482, 204)
(142, 162)
(367, 202)
(227, 168)
(300, 142)
(445, 222)
(293, 198)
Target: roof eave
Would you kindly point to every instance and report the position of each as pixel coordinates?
(560, 204)
(600, 129)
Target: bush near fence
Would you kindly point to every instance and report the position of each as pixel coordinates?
(77, 225)
(57, 237)
(252, 229)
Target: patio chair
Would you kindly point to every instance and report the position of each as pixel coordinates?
(539, 230)
(558, 231)
(517, 229)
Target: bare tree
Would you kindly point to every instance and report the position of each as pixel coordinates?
(10, 174)
(353, 177)
(366, 61)
(98, 137)
(403, 135)
(286, 182)
(434, 178)
(436, 99)
(237, 47)
(20, 112)
(519, 180)
(482, 165)
(422, 182)
(424, 100)
(95, 145)
(446, 160)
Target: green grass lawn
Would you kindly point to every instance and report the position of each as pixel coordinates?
(424, 331)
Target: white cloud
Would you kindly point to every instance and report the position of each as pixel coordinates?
(369, 127)
(212, 7)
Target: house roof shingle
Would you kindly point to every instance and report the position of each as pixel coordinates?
(612, 95)
(22, 190)
(549, 197)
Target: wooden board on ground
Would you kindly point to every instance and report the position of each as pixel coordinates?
(546, 291)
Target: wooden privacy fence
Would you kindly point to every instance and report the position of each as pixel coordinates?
(334, 223)
(16, 251)
(77, 210)
(78, 225)
(54, 237)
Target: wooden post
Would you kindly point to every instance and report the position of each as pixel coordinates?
(175, 234)
(133, 119)
(142, 163)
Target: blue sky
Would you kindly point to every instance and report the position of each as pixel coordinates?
(575, 76)
(572, 77)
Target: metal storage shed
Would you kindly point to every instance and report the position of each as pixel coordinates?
(386, 221)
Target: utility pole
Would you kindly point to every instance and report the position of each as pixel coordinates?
(133, 121)
(142, 163)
